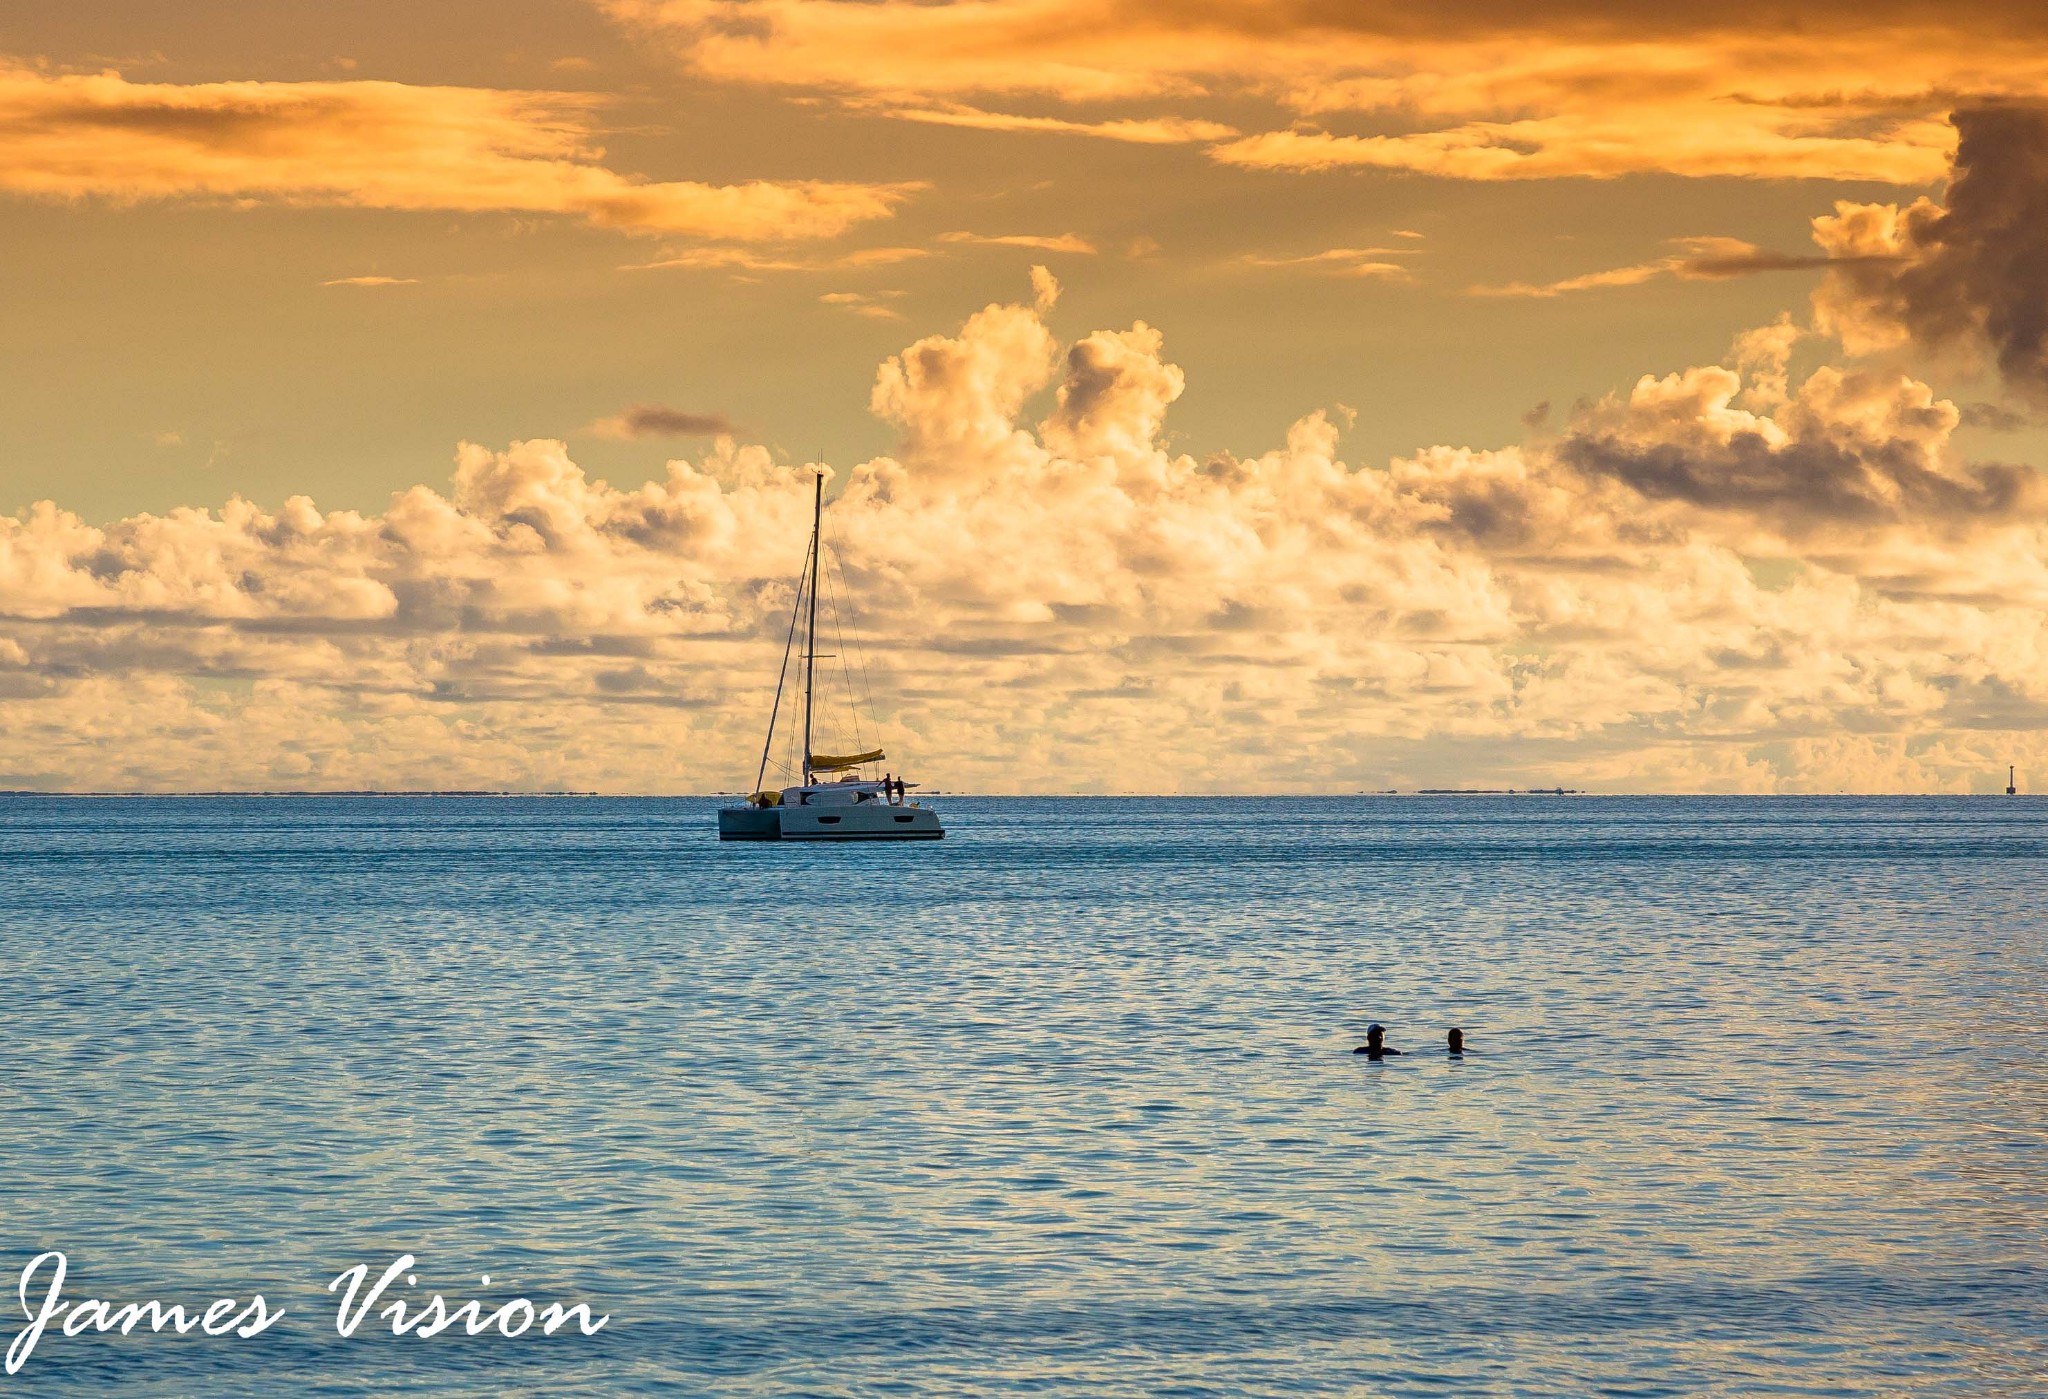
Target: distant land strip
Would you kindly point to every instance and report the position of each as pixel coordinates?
(302, 792)
(1492, 792)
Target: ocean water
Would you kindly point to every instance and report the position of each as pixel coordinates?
(1756, 1102)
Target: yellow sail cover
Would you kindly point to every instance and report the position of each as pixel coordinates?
(826, 762)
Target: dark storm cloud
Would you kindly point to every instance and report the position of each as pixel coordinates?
(1819, 476)
(1995, 417)
(655, 420)
(1975, 271)
(1715, 266)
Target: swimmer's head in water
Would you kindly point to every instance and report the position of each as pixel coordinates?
(1456, 1040)
(1374, 1033)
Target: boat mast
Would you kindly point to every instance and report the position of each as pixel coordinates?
(811, 625)
(782, 677)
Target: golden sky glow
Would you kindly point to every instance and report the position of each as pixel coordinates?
(1224, 396)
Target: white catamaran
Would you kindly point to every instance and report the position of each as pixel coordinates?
(824, 806)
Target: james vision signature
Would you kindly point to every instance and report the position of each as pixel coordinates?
(47, 1310)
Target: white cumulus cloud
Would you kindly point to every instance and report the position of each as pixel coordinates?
(1718, 579)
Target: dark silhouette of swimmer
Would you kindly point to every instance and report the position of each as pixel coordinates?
(1455, 1043)
(1375, 1046)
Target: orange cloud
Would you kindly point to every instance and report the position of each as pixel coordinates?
(1581, 90)
(747, 260)
(861, 304)
(1704, 259)
(1698, 142)
(379, 145)
(1347, 262)
(1050, 243)
(1141, 131)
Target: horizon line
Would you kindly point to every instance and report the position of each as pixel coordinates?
(510, 792)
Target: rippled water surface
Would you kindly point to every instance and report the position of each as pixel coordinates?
(1064, 1104)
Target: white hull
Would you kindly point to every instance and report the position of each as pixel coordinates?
(867, 821)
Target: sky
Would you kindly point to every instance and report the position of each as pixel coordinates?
(1295, 396)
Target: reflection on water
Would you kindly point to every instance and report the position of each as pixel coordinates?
(1754, 1100)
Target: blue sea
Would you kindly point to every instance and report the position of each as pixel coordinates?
(1756, 1101)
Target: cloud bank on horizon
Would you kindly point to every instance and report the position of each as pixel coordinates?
(1730, 577)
